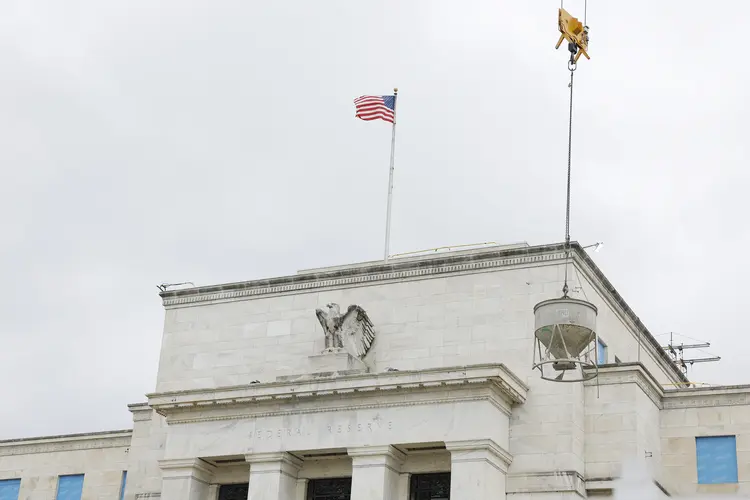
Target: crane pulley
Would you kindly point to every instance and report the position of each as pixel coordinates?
(575, 32)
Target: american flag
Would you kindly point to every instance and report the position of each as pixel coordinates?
(376, 107)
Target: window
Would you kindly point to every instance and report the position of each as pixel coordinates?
(430, 486)
(330, 489)
(122, 484)
(717, 459)
(601, 352)
(9, 489)
(69, 487)
(233, 491)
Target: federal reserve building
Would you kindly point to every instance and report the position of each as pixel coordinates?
(508, 371)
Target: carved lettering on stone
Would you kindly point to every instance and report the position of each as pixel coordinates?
(360, 427)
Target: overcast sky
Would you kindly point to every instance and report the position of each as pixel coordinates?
(144, 142)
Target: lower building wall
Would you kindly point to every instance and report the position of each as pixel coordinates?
(101, 457)
(628, 419)
(693, 414)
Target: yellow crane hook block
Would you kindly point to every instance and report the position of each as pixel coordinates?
(573, 31)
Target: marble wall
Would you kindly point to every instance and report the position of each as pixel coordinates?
(430, 320)
(146, 449)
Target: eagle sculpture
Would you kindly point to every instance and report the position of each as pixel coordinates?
(352, 331)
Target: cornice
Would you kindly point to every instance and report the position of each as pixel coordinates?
(141, 412)
(671, 399)
(728, 395)
(630, 373)
(183, 406)
(361, 275)
(70, 442)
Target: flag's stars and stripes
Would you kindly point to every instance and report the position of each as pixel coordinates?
(376, 107)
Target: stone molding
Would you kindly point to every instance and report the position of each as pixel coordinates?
(190, 406)
(71, 442)
(670, 399)
(187, 467)
(274, 463)
(477, 450)
(546, 482)
(359, 275)
(731, 395)
(377, 456)
(629, 373)
(141, 412)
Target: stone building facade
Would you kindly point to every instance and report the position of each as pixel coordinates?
(445, 404)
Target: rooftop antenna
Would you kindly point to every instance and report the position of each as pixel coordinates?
(565, 328)
(677, 353)
(163, 287)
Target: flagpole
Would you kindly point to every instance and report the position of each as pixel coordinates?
(390, 181)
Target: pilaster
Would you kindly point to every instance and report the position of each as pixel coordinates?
(375, 472)
(478, 469)
(273, 476)
(186, 479)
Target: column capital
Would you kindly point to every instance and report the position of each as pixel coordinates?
(274, 462)
(187, 467)
(478, 450)
(376, 455)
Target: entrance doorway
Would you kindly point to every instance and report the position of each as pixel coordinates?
(330, 489)
(233, 491)
(430, 486)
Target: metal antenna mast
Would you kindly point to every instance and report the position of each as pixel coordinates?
(677, 352)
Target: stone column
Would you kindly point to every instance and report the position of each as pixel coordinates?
(213, 492)
(375, 472)
(185, 479)
(273, 476)
(301, 489)
(404, 482)
(478, 469)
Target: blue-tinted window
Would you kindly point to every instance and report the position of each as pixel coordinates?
(9, 489)
(601, 352)
(70, 487)
(717, 459)
(122, 485)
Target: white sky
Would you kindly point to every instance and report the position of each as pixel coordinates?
(149, 141)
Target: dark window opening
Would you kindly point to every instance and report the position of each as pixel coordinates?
(233, 491)
(330, 489)
(430, 486)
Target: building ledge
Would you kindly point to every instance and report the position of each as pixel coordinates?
(68, 442)
(630, 373)
(316, 386)
(722, 395)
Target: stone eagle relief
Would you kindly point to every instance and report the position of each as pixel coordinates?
(351, 331)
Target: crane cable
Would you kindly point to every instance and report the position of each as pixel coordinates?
(572, 65)
(585, 8)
